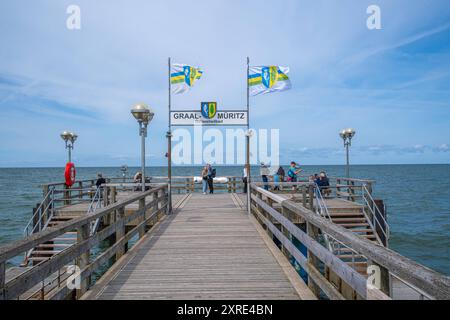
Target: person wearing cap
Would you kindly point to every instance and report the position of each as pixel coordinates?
(100, 180)
(294, 170)
(264, 171)
(324, 184)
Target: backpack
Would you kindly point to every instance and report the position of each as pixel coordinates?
(291, 173)
(213, 173)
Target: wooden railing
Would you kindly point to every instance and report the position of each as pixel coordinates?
(328, 274)
(56, 268)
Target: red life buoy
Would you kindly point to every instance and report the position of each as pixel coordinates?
(70, 174)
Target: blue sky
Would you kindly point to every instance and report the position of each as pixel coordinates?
(392, 85)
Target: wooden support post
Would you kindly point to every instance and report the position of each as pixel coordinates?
(105, 196)
(156, 205)
(304, 196)
(45, 190)
(338, 188)
(351, 191)
(311, 197)
(113, 196)
(286, 233)
(369, 187)
(80, 192)
(2, 279)
(120, 231)
(83, 259)
(313, 232)
(66, 194)
(141, 217)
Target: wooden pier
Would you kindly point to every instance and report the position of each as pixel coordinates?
(208, 249)
(121, 243)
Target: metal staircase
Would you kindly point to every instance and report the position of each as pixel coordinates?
(47, 216)
(364, 220)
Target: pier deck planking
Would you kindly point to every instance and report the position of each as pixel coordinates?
(209, 249)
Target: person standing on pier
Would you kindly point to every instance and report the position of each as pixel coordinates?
(211, 176)
(278, 177)
(264, 171)
(245, 179)
(205, 179)
(294, 170)
(137, 179)
(100, 181)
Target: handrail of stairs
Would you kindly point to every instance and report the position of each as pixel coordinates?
(41, 210)
(375, 213)
(93, 206)
(332, 243)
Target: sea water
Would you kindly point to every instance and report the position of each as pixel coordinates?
(417, 198)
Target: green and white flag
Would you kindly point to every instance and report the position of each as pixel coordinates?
(265, 79)
(183, 77)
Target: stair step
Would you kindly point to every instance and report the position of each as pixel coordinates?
(343, 250)
(369, 236)
(45, 252)
(361, 230)
(38, 258)
(357, 263)
(349, 220)
(65, 239)
(346, 214)
(349, 256)
(353, 224)
(53, 245)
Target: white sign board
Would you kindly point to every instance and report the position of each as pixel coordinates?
(221, 118)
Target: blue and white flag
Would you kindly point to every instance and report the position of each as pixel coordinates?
(265, 79)
(183, 77)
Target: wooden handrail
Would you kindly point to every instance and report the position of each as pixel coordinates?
(431, 282)
(15, 248)
(23, 282)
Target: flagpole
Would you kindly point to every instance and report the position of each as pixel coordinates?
(169, 147)
(247, 158)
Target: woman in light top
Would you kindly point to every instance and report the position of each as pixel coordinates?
(204, 179)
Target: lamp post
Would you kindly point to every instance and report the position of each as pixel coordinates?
(347, 135)
(69, 138)
(248, 135)
(169, 170)
(143, 115)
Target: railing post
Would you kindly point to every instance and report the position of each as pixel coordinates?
(285, 213)
(2, 279)
(313, 232)
(120, 231)
(80, 186)
(47, 200)
(156, 205)
(113, 199)
(141, 217)
(105, 196)
(338, 188)
(304, 196)
(66, 194)
(311, 197)
(83, 259)
(351, 191)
